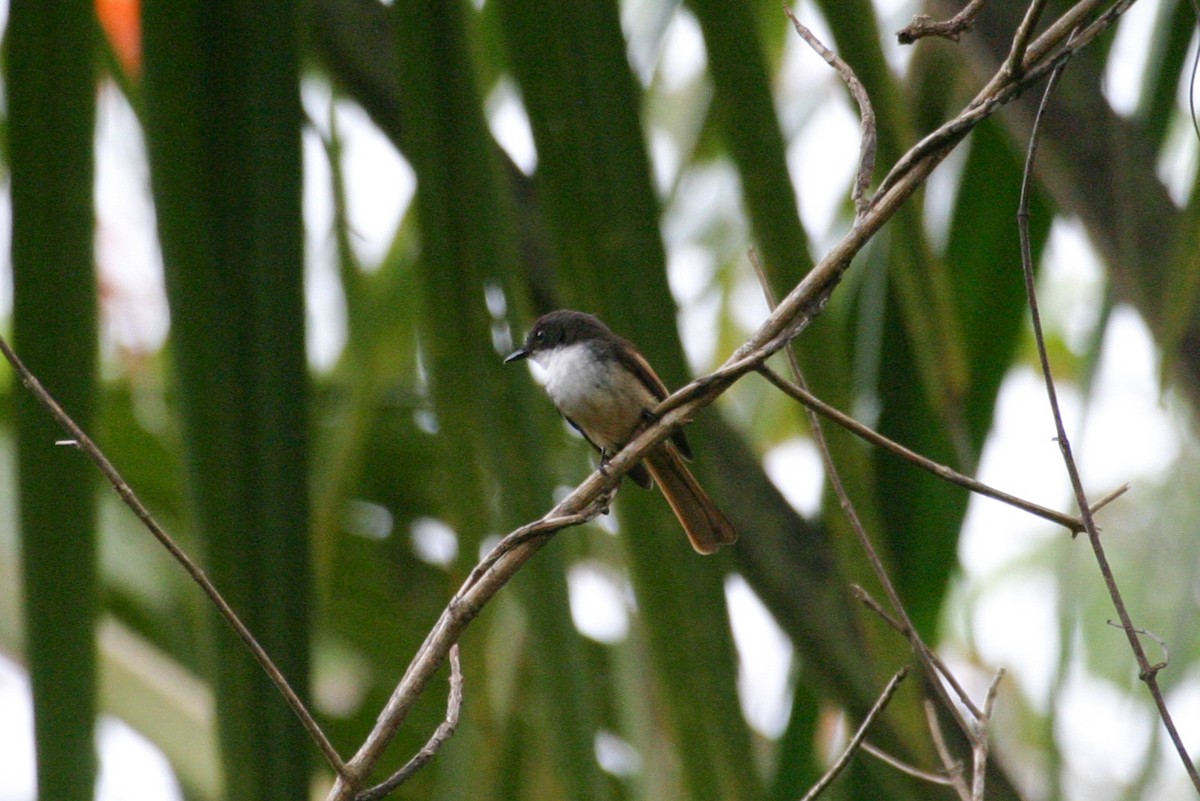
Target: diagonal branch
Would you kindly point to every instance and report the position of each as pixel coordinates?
(801, 394)
(443, 733)
(81, 440)
(856, 741)
(1148, 673)
(867, 128)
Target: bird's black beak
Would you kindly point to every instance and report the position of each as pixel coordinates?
(517, 355)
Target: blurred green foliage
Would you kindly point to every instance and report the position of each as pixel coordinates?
(339, 509)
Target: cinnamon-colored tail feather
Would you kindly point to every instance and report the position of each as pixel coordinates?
(706, 527)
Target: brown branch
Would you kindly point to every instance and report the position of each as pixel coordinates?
(904, 767)
(799, 393)
(857, 740)
(923, 25)
(443, 733)
(81, 440)
(867, 128)
(1014, 63)
(952, 766)
(587, 501)
(940, 666)
(899, 619)
(902, 624)
(979, 743)
(1004, 87)
(1147, 672)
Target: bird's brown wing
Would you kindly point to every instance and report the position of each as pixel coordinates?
(636, 363)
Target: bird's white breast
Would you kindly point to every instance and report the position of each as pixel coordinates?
(598, 394)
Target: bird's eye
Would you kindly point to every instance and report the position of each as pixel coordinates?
(539, 335)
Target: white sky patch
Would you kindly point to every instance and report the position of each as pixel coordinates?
(1015, 626)
(795, 468)
(684, 56)
(434, 541)
(664, 159)
(823, 160)
(616, 755)
(1022, 459)
(1126, 435)
(16, 733)
(379, 188)
(1126, 67)
(690, 269)
(510, 125)
(1103, 733)
(764, 659)
(126, 241)
(1177, 161)
(599, 602)
(1071, 283)
(380, 184)
(131, 767)
(1184, 703)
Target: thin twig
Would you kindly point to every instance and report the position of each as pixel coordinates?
(1147, 672)
(979, 743)
(876, 607)
(923, 25)
(83, 442)
(869, 601)
(867, 135)
(588, 501)
(1109, 498)
(1003, 88)
(799, 393)
(1014, 63)
(856, 741)
(1166, 660)
(952, 766)
(904, 767)
(443, 733)
(923, 653)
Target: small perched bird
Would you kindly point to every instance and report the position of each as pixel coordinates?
(607, 390)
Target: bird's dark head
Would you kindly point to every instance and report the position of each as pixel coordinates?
(559, 328)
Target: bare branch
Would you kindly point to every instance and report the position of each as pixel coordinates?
(979, 743)
(930, 655)
(903, 767)
(1014, 63)
(1146, 672)
(507, 557)
(952, 766)
(83, 442)
(857, 740)
(1072, 524)
(923, 25)
(868, 138)
(440, 735)
(1109, 498)
(1004, 87)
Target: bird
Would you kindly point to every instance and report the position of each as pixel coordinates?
(607, 391)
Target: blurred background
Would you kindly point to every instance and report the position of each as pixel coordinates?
(271, 255)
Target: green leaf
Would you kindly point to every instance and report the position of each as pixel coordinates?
(50, 87)
(223, 131)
